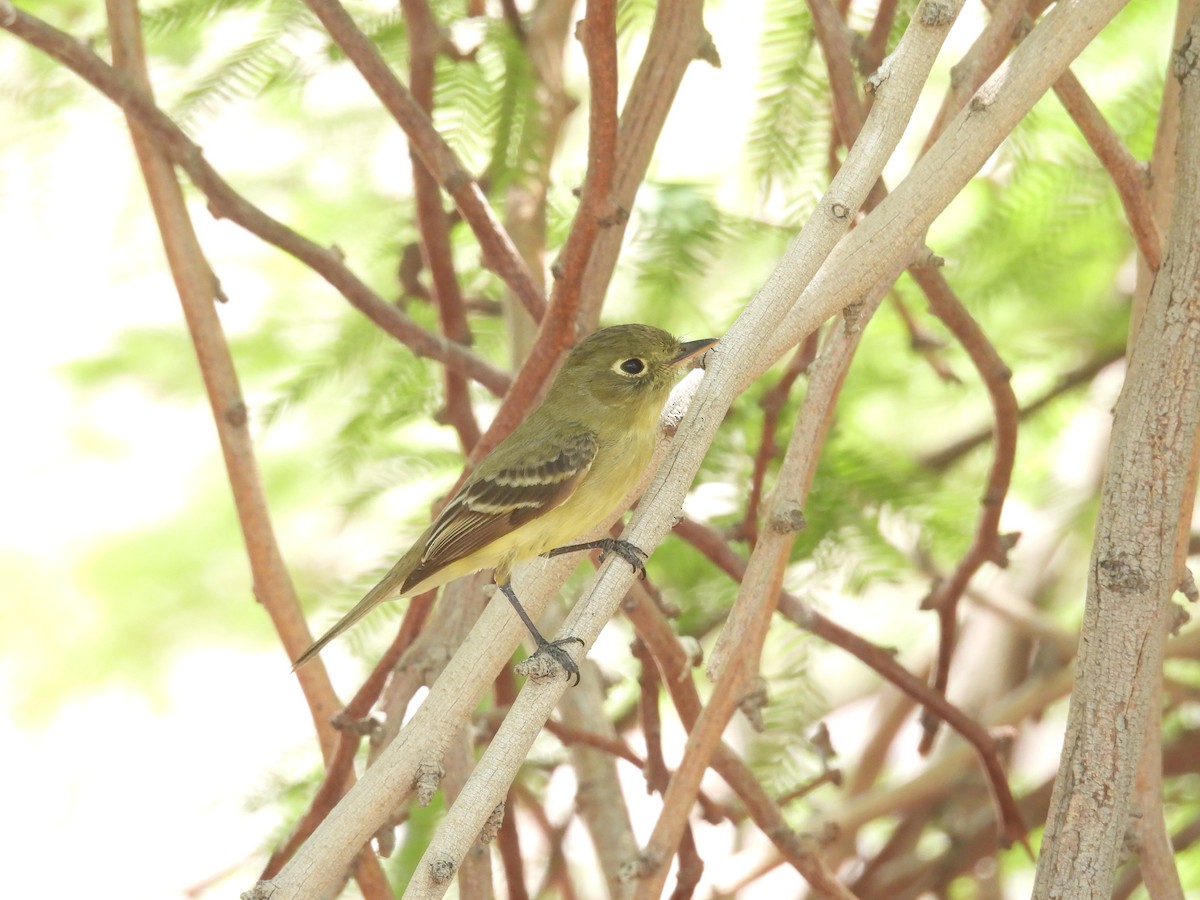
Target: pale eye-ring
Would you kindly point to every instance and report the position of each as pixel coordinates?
(631, 366)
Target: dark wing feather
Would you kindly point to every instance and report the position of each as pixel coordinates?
(495, 503)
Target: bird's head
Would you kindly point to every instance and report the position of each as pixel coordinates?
(626, 367)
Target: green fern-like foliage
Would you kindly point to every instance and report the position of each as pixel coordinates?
(790, 129)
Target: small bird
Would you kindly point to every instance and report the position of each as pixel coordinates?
(558, 475)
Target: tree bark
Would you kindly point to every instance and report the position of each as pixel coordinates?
(1133, 570)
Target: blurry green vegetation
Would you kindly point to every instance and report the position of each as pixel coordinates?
(1036, 247)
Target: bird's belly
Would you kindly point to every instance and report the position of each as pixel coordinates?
(612, 476)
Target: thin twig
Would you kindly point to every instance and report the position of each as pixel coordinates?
(655, 770)
(874, 48)
(499, 254)
(772, 405)
(877, 658)
(194, 283)
(1068, 381)
(987, 545)
(615, 747)
(225, 202)
(596, 211)
(924, 343)
(434, 225)
(677, 38)
(1128, 176)
(340, 769)
(691, 867)
(509, 841)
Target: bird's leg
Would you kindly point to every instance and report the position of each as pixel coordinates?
(631, 553)
(553, 649)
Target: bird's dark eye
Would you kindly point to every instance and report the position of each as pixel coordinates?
(632, 366)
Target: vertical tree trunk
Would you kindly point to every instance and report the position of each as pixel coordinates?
(1133, 572)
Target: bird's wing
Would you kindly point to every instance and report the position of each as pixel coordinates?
(498, 502)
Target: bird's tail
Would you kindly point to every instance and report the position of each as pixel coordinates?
(385, 590)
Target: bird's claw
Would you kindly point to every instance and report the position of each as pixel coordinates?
(630, 552)
(553, 650)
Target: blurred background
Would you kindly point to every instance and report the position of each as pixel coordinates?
(155, 737)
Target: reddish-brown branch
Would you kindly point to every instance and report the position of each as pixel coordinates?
(1012, 828)
(772, 405)
(434, 224)
(849, 112)
(225, 202)
(1081, 374)
(194, 282)
(677, 38)
(1184, 838)
(1127, 175)
(1010, 22)
(829, 776)
(691, 867)
(339, 772)
(557, 873)
(675, 669)
(874, 48)
(988, 545)
(509, 843)
(655, 771)
(721, 555)
(596, 210)
(923, 342)
(569, 735)
(512, 16)
(499, 254)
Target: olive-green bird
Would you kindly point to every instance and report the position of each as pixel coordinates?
(557, 476)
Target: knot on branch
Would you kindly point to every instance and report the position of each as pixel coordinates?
(442, 869)
(693, 650)
(852, 318)
(1122, 573)
(237, 414)
(1003, 737)
(1187, 586)
(643, 865)
(457, 179)
(753, 703)
(264, 890)
(1179, 618)
(877, 80)
(540, 667)
(936, 14)
(788, 518)
(707, 51)
(1003, 545)
(840, 211)
(980, 102)
(617, 215)
(362, 727)
(491, 827)
(1185, 60)
(429, 776)
(822, 743)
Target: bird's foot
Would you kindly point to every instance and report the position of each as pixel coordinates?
(549, 659)
(630, 552)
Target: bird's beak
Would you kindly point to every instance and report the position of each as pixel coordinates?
(690, 350)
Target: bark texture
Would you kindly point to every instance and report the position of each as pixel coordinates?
(1133, 571)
